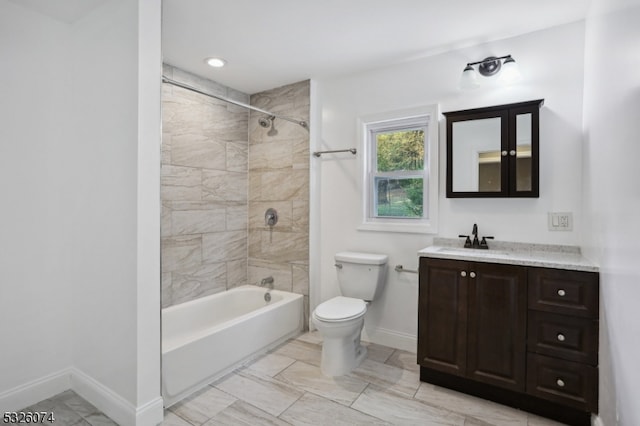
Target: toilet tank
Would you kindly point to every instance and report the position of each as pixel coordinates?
(361, 275)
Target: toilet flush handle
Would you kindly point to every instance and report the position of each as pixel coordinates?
(338, 265)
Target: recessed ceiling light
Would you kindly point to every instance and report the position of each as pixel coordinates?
(216, 62)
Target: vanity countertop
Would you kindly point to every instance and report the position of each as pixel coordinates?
(541, 255)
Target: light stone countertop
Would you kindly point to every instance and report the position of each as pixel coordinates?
(542, 255)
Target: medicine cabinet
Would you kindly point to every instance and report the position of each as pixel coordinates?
(494, 151)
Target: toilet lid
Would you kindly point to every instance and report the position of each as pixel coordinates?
(340, 308)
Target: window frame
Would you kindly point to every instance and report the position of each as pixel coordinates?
(426, 117)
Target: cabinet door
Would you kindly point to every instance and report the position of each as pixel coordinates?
(497, 325)
(523, 151)
(442, 324)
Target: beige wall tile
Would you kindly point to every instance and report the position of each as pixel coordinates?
(180, 183)
(218, 185)
(198, 221)
(197, 150)
(224, 246)
(181, 252)
(236, 273)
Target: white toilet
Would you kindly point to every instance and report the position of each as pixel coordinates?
(340, 320)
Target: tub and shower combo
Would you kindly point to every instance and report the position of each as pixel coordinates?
(208, 337)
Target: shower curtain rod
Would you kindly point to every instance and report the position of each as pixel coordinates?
(301, 123)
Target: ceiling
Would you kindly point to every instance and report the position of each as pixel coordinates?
(67, 11)
(270, 44)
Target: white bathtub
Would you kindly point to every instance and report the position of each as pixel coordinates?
(204, 339)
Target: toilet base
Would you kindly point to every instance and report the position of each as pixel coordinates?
(341, 355)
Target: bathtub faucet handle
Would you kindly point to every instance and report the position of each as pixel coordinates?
(267, 282)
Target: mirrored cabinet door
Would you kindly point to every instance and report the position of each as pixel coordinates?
(493, 152)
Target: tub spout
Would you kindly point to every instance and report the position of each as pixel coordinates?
(267, 282)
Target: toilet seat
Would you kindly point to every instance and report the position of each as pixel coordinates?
(340, 308)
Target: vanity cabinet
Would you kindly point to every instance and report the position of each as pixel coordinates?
(562, 338)
(473, 321)
(520, 335)
(494, 151)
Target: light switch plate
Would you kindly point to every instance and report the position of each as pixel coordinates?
(560, 221)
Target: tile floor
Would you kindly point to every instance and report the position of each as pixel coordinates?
(285, 387)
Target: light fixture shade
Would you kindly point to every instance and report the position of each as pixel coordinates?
(510, 72)
(469, 79)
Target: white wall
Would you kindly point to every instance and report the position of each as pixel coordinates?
(551, 64)
(80, 167)
(612, 198)
(34, 257)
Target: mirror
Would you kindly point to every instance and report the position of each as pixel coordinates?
(476, 155)
(493, 151)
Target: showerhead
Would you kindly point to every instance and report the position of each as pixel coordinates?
(266, 121)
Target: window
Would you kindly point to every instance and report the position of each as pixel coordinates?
(400, 190)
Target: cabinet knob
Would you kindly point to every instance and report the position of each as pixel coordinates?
(472, 274)
(560, 383)
(463, 273)
(512, 153)
(504, 153)
(561, 337)
(561, 293)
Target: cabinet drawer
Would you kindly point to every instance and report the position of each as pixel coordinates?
(570, 338)
(564, 292)
(570, 383)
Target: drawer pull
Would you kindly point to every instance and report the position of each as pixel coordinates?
(561, 293)
(561, 337)
(472, 275)
(463, 273)
(560, 383)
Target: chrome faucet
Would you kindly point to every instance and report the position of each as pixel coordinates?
(267, 282)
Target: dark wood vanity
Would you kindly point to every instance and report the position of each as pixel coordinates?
(525, 336)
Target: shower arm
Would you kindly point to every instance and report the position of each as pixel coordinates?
(301, 123)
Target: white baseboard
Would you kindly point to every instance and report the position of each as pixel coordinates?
(390, 338)
(105, 399)
(113, 405)
(35, 391)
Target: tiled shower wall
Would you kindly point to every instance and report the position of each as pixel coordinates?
(220, 172)
(204, 190)
(279, 178)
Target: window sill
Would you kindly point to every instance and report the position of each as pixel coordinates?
(410, 228)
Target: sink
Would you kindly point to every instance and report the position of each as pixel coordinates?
(472, 252)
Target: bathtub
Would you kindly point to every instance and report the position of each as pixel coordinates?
(208, 337)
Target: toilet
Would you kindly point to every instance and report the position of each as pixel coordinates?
(361, 277)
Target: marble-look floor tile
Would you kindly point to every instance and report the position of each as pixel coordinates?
(79, 405)
(242, 414)
(270, 364)
(405, 360)
(171, 419)
(62, 414)
(391, 378)
(301, 351)
(313, 337)
(342, 389)
(403, 411)
(314, 410)
(487, 411)
(534, 420)
(201, 406)
(99, 419)
(377, 352)
(260, 390)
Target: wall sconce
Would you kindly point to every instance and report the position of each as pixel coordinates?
(488, 67)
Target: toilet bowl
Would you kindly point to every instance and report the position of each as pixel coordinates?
(340, 320)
